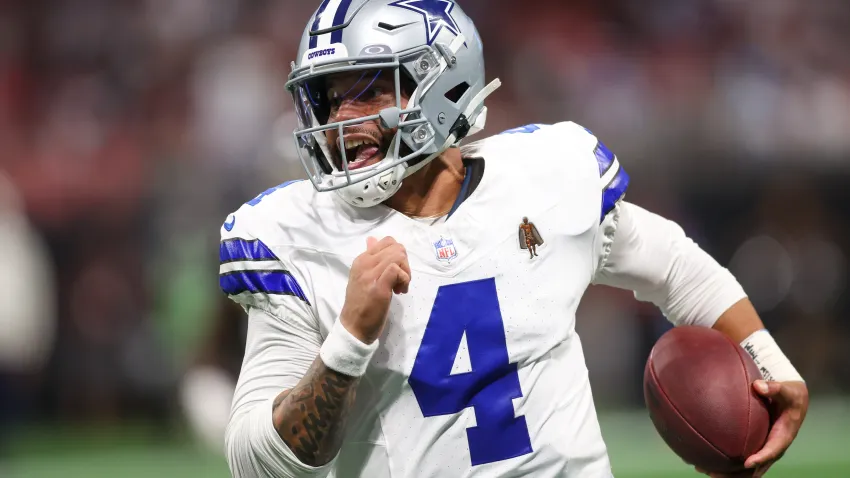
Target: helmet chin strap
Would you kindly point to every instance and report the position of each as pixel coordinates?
(481, 118)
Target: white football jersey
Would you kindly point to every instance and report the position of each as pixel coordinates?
(479, 372)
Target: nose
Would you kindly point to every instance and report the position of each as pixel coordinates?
(349, 109)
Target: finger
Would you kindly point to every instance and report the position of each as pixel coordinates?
(767, 389)
(395, 253)
(405, 263)
(778, 441)
(370, 242)
(392, 276)
(402, 284)
(381, 245)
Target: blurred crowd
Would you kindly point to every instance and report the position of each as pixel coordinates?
(130, 128)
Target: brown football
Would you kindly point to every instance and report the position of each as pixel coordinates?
(698, 388)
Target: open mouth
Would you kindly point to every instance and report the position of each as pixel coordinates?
(361, 150)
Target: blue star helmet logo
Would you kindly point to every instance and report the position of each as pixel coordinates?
(436, 13)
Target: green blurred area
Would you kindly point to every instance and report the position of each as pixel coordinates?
(822, 450)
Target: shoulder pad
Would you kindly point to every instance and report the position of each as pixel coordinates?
(613, 179)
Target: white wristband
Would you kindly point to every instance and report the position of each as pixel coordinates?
(773, 364)
(345, 353)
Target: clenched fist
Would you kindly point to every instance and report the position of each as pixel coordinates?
(375, 275)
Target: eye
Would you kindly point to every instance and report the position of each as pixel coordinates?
(334, 98)
(372, 93)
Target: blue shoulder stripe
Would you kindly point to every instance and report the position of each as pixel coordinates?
(604, 157)
(268, 282)
(615, 190)
(233, 250)
(529, 128)
(256, 200)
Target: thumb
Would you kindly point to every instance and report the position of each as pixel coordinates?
(767, 389)
(370, 242)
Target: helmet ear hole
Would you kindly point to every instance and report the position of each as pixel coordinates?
(455, 94)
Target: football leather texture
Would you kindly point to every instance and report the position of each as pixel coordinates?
(698, 390)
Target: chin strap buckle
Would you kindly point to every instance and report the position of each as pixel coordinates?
(462, 127)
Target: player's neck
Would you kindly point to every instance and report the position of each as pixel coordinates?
(432, 190)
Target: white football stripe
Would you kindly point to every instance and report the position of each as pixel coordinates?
(609, 175)
(249, 266)
(277, 302)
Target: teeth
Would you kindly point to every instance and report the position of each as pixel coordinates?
(355, 143)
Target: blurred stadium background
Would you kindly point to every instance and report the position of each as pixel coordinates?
(130, 128)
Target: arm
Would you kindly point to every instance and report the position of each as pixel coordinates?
(652, 256)
(311, 417)
(295, 391)
(279, 351)
(739, 321)
(289, 408)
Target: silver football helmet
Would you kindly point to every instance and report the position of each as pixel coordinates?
(429, 46)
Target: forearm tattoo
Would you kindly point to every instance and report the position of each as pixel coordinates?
(311, 417)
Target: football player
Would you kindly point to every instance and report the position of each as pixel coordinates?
(396, 326)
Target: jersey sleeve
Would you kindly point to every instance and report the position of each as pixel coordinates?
(653, 257)
(251, 274)
(592, 153)
(283, 341)
(613, 179)
(278, 352)
(283, 332)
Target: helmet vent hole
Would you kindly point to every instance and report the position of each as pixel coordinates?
(388, 27)
(366, 187)
(455, 94)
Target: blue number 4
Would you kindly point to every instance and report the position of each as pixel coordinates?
(471, 307)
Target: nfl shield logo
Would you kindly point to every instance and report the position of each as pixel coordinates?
(445, 249)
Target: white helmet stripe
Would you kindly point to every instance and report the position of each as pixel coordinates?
(315, 26)
(326, 20)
